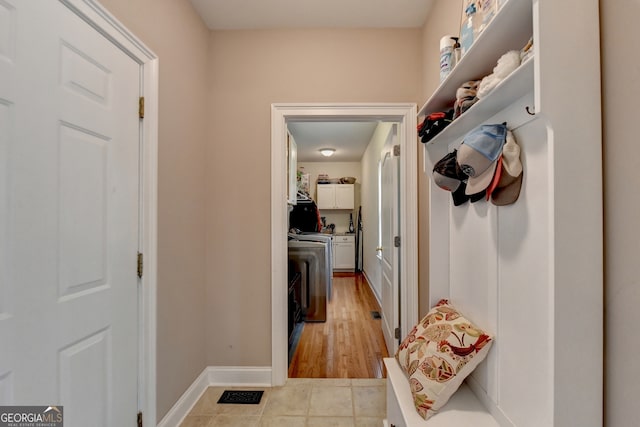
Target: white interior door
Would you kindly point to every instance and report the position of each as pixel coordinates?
(390, 227)
(69, 216)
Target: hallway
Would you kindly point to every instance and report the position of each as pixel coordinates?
(350, 343)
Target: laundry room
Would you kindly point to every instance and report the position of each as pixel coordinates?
(333, 174)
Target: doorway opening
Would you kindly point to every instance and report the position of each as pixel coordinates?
(282, 114)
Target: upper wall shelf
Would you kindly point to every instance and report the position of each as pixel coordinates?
(510, 29)
(516, 85)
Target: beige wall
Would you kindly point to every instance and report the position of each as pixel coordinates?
(620, 74)
(177, 35)
(249, 71)
(444, 18)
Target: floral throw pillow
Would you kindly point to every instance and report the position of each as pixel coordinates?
(438, 354)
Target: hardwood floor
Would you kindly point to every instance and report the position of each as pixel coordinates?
(350, 343)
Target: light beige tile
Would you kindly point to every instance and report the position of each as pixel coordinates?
(321, 382)
(234, 421)
(368, 422)
(334, 401)
(206, 405)
(196, 421)
(288, 400)
(330, 422)
(299, 381)
(370, 401)
(369, 382)
(282, 421)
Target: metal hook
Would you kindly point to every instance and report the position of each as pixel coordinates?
(529, 111)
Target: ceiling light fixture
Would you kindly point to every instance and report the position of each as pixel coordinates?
(327, 152)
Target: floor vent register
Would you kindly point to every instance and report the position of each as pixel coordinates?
(241, 397)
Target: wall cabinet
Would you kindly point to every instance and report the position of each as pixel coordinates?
(344, 250)
(335, 196)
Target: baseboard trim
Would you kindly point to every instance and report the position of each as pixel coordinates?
(215, 376)
(188, 399)
(233, 376)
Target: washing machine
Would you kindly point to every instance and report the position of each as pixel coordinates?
(310, 259)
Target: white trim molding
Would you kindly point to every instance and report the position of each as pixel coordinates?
(405, 115)
(215, 376)
(189, 398)
(99, 18)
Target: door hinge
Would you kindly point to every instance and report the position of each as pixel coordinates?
(397, 333)
(139, 419)
(396, 242)
(141, 107)
(396, 150)
(140, 265)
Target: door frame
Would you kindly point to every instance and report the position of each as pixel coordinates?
(99, 18)
(281, 113)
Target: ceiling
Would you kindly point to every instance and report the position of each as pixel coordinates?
(267, 14)
(350, 139)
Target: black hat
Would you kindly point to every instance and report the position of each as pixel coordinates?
(448, 176)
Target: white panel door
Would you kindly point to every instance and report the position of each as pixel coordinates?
(390, 203)
(69, 216)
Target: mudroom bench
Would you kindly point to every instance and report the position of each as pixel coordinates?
(527, 273)
(463, 409)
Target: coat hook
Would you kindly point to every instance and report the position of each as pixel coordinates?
(529, 111)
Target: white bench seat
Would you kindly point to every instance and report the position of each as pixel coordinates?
(463, 409)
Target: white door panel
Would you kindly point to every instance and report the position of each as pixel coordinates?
(390, 254)
(69, 200)
(7, 95)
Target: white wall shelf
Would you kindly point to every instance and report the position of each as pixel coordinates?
(510, 29)
(515, 86)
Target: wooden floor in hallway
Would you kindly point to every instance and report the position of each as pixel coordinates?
(350, 344)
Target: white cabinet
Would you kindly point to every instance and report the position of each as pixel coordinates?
(344, 252)
(335, 196)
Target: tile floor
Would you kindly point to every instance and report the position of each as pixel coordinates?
(299, 403)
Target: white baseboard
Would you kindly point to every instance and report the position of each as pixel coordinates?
(215, 376)
(373, 289)
(188, 399)
(250, 376)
